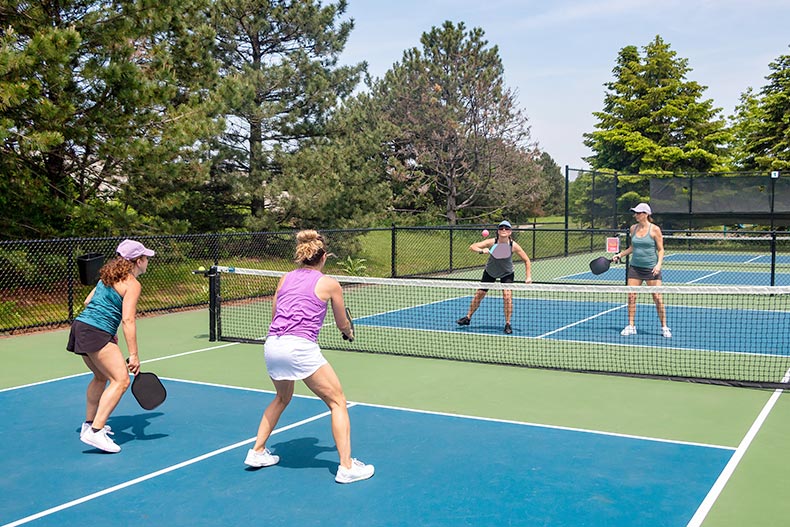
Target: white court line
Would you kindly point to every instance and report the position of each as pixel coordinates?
(157, 473)
(189, 353)
(581, 321)
(704, 277)
(729, 469)
(44, 382)
(550, 427)
(473, 417)
(141, 362)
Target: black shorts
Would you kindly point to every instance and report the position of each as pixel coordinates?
(642, 273)
(84, 338)
(507, 279)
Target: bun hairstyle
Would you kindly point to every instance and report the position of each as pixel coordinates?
(310, 247)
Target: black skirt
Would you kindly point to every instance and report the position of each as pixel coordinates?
(84, 338)
(643, 273)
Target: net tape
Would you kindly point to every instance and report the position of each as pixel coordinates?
(537, 288)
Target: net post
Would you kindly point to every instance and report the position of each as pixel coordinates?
(213, 303)
(615, 224)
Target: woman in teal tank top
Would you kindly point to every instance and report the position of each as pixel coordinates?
(112, 303)
(647, 248)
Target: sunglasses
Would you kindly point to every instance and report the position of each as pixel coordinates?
(503, 228)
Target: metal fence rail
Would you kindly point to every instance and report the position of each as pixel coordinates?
(40, 287)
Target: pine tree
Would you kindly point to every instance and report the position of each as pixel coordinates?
(459, 136)
(654, 119)
(105, 105)
(768, 143)
(281, 82)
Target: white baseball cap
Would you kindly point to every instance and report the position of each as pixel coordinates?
(131, 250)
(642, 207)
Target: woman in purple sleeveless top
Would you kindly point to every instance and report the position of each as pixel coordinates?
(292, 353)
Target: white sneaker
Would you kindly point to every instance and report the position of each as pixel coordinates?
(628, 330)
(261, 459)
(100, 439)
(87, 426)
(666, 332)
(357, 472)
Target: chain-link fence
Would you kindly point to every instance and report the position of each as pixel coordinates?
(40, 286)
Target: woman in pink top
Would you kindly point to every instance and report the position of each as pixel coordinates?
(292, 353)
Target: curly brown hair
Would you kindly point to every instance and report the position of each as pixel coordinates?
(310, 247)
(116, 270)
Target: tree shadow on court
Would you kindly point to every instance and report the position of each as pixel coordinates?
(303, 453)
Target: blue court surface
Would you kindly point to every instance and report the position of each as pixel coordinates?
(691, 276)
(724, 258)
(182, 464)
(694, 328)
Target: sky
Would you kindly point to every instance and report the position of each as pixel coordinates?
(557, 55)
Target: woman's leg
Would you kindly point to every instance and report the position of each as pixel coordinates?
(95, 390)
(285, 391)
(507, 296)
(326, 385)
(659, 301)
(632, 301)
(107, 364)
(479, 295)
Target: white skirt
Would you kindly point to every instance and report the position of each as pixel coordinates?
(291, 358)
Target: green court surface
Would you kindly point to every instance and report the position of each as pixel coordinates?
(176, 346)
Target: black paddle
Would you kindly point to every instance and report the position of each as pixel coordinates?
(350, 321)
(148, 390)
(600, 265)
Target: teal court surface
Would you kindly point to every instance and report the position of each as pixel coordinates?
(453, 444)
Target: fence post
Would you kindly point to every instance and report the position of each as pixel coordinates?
(535, 235)
(567, 185)
(773, 258)
(215, 241)
(393, 271)
(70, 274)
(452, 230)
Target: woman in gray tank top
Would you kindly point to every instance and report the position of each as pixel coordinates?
(499, 266)
(647, 247)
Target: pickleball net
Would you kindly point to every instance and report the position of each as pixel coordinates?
(736, 335)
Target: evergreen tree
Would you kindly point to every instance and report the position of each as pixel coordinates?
(334, 181)
(767, 146)
(744, 125)
(103, 106)
(278, 61)
(654, 119)
(459, 137)
(553, 180)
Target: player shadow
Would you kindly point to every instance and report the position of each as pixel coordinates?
(127, 428)
(488, 329)
(132, 427)
(303, 453)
